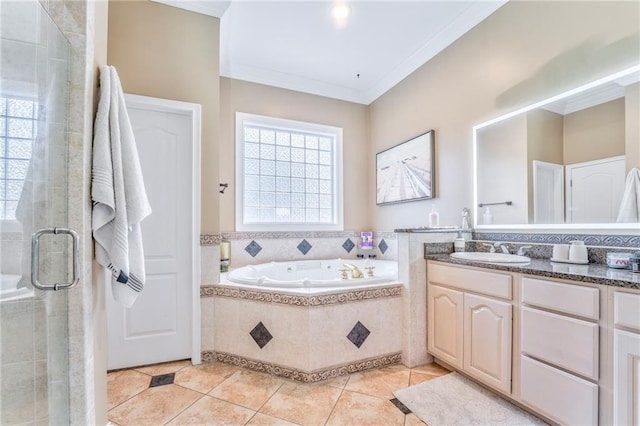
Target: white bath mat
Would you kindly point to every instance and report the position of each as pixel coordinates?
(455, 400)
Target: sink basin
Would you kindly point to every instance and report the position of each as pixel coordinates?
(477, 256)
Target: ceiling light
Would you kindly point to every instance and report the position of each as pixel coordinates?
(340, 11)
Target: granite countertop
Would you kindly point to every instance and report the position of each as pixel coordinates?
(433, 230)
(593, 273)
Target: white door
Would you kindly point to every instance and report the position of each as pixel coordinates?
(163, 324)
(487, 340)
(444, 336)
(548, 192)
(594, 190)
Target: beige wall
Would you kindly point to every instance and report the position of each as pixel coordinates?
(524, 52)
(170, 53)
(544, 143)
(502, 171)
(242, 96)
(632, 124)
(595, 133)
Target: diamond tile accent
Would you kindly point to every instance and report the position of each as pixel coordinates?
(261, 335)
(383, 246)
(304, 247)
(400, 406)
(348, 245)
(253, 248)
(161, 380)
(358, 334)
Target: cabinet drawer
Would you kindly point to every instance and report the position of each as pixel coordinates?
(626, 310)
(489, 283)
(560, 396)
(546, 336)
(570, 299)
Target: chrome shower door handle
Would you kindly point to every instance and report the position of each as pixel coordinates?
(35, 259)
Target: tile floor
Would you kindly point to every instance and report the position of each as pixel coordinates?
(178, 393)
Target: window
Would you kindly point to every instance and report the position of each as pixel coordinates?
(18, 125)
(288, 175)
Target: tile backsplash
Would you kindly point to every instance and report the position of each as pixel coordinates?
(542, 244)
(259, 247)
(604, 240)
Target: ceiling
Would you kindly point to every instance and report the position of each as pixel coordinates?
(298, 45)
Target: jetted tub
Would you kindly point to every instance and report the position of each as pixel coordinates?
(9, 288)
(307, 274)
(300, 320)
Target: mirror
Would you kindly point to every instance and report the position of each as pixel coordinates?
(559, 163)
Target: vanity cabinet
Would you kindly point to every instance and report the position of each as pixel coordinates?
(626, 358)
(572, 348)
(445, 308)
(487, 340)
(560, 349)
(469, 327)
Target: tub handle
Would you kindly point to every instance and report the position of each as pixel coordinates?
(370, 270)
(35, 259)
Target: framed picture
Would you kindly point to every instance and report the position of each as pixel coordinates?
(405, 172)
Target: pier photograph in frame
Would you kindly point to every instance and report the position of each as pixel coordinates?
(405, 172)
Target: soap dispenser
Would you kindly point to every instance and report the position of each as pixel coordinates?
(434, 218)
(487, 217)
(465, 218)
(459, 243)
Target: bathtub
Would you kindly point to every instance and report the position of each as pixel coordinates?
(9, 288)
(302, 321)
(310, 274)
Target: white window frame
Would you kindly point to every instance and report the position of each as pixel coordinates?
(292, 125)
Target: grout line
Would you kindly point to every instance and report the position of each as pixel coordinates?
(334, 405)
(185, 409)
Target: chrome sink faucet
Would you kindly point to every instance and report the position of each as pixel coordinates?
(522, 251)
(493, 247)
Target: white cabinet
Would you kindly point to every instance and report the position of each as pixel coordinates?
(487, 340)
(626, 360)
(559, 352)
(545, 336)
(471, 332)
(445, 324)
(561, 396)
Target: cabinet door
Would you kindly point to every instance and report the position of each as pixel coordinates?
(444, 339)
(626, 378)
(487, 341)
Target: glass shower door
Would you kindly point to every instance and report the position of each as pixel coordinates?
(34, 91)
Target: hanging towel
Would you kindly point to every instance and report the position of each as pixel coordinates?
(119, 197)
(630, 205)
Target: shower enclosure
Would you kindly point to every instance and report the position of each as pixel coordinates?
(34, 93)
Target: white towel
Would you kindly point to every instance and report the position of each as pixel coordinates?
(630, 205)
(119, 197)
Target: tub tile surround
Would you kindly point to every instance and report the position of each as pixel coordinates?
(412, 273)
(309, 332)
(298, 375)
(259, 247)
